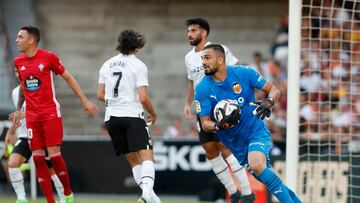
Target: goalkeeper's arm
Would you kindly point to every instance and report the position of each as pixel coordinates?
(271, 91)
(263, 108)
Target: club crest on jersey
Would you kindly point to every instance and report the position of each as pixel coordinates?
(22, 68)
(197, 106)
(32, 83)
(236, 87)
(41, 67)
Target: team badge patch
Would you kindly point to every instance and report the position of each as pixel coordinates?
(197, 106)
(41, 67)
(236, 87)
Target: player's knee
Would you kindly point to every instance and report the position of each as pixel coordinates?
(211, 154)
(211, 150)
(145, 155)
(257, 166)
(225, 152)
(133, 158)
(14, 161)
(51, 170)
(13, 164)
(53, 149)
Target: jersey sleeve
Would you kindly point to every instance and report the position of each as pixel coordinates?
(142, 76)
(15, 98)
(202, 101)
(188, 70)
(102, 75)
(229, 57)
(15, 95)
(16, 66)
(255, 78)
(57, 66)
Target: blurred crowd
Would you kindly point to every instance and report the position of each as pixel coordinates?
(330, 79)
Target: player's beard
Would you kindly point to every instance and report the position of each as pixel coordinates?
(211, 71)
(196, 41)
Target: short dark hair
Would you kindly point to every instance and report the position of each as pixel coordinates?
(217, 48)
(258, 54)
(130, 41)
(32, 30)
(202, 22)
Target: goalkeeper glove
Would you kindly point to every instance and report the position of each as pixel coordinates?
(263, 107)
(228, 121)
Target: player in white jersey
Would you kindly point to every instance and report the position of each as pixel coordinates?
(197, 32)
(22, 153)
(123, 86)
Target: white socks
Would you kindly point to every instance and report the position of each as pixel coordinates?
(222, 172)
(240, 174)
(17, 181)
(137, 173)
(59, 187)
(147, 177)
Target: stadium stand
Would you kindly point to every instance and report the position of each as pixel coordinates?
(9, 27)
(83, 33)
(5, 78)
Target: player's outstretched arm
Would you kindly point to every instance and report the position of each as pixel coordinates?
(17, 116)
(271, 91)
(188, 100)
(88, 106)
(263, 107)
(146, 103)
(21, 100)
(101, 92)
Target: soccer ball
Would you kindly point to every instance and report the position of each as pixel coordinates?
(224, 108)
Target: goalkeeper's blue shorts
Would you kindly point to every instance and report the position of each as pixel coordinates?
(259, 141)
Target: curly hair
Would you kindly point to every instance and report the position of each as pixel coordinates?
(130, 41)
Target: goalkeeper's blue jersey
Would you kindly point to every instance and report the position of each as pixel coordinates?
(239, 85)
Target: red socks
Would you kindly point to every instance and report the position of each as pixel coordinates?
(61, 171)
(43, 176)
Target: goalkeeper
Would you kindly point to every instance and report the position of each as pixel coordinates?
(244, 134)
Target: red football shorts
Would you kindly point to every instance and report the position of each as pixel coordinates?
(44, 134)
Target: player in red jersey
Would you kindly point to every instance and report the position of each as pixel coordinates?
(36, 69)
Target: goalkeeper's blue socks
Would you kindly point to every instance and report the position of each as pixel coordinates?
(293, 195)
(274, 184)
